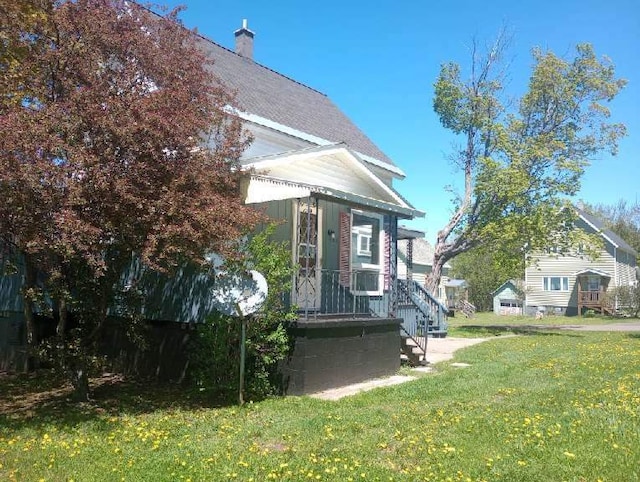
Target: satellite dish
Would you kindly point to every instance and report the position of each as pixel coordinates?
(239, 295)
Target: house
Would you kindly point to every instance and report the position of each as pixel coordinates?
(508, 298)
(415, 259)
(331, 189)
(574, 282)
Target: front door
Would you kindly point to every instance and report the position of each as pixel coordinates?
(307, 252)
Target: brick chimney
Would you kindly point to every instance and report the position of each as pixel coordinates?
(244, 41)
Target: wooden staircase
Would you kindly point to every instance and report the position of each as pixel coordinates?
(466, 308)
(414, 350)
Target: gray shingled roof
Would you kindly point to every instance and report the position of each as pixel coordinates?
(266, 93)
(422, 252)
(600, 226)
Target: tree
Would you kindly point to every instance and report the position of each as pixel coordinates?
(521, 160)
(484, 269)
(116, 145)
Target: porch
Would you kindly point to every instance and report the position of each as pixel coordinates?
(341, 221)
(591, 286)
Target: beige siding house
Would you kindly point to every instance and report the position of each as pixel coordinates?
(570, 284)
(421, 261)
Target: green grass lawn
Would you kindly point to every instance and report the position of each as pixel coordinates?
(562, 406)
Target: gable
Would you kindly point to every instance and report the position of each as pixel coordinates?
(331, 167)
(267, 142)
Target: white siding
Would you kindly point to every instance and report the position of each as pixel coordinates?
(331, 172)
(625, 268)
(384, 175)
(562, 266)
(267, 142)
(418, 273)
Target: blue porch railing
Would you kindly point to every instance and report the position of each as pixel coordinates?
(354, 294)
(422, 314)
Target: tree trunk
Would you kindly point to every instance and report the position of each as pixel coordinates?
(30, 360)
(433, 279)
(80, 382)
(63, 315)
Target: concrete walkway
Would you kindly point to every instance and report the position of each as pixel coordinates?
(443, 349)
(438, 350)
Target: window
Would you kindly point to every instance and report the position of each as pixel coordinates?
(366, 252)
(593, 283)
(555, 283)
(363, 241)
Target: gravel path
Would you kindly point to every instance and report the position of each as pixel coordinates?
(633, 326)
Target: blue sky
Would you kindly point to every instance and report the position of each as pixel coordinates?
(378, 61)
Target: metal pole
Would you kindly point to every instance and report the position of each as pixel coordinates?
(243, 340)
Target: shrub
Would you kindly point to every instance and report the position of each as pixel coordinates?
(628, 298)
(215, 353)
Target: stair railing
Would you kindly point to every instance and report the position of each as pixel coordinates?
(421, 311)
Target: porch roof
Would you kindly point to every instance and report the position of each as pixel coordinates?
(267, 188)
(407, 233)
(329, 166)
(456, 283)
(595, 271)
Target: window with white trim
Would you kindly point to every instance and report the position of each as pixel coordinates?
(555, 283)
(363, 240)
(367, 242)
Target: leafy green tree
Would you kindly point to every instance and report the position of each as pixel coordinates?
(520, 160)
(628, 299)
(116, 144)
(485, 270)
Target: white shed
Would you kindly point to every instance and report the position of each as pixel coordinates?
(508, 298)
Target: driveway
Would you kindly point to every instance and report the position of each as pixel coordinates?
(632, 326)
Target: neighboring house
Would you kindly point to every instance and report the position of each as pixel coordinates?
(508, 298)
(415, 261)
(570, 284)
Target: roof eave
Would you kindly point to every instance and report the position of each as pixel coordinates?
(395, 170)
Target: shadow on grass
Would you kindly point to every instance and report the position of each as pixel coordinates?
(41, 398)
(516, 329)
(635, 336)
